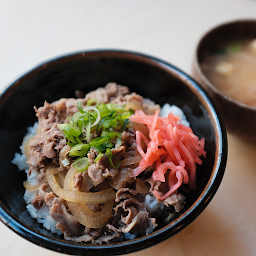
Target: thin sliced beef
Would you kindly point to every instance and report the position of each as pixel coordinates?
(66, 222)
(39, 200)
(134, 217)
(121, 100)
(177, 200)
(96, 236)
(92, 154)
(125, 193)
(141, 224)
(46, 146)
(98, 175)
(106, 94)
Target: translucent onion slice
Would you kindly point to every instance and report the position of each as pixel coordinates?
(63, 153)
(32, 187)
(68, 181)
(77, 196)
(82, 213)
(130, 161)
(89, 218)
(61, 178)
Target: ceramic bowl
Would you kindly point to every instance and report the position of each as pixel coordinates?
(239, 118)
(86, 71)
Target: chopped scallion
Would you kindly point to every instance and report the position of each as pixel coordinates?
(98, 157)
(93, 102)
(81, 164)
(69, 129)
(79, 106)
(79, 150)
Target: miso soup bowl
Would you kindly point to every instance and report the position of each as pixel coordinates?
(86, 71)
(239, 118)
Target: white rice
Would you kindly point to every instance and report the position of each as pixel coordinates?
(43, 216)
(167, 108)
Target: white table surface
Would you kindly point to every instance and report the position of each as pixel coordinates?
(32, 31)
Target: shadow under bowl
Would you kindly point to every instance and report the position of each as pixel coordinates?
(239, 118)
(86, 71)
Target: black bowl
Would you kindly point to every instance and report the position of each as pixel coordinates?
(85, 71)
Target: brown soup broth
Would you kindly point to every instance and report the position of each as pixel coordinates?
(232, 70)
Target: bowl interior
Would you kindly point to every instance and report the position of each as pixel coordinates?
(86, 71)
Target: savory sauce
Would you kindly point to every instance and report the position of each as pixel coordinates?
(233, 71)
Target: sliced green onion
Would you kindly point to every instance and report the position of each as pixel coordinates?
(70, 144)
(79, 106)
(98, 141)
(78, 140)
(69, 129)
(108, 144)
(92, 102)
(79, 150)
(113, 135)
(75, 118)
(125, 115)
(115, 107)
(109, 123)
(100, 148)
(70, 121)
(105, 112)
(69, 137)
(98, 157)
(109, 152)
(100, 124)
(81, 164)
(125, 123)
(108, 119)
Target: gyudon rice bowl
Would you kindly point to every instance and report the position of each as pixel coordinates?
(108, 165)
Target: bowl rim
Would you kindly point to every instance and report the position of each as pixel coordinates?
(198, 65)
(159, 235)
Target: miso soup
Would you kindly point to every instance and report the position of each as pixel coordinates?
(232, 69)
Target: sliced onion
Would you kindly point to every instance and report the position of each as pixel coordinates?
(77, 196)
(82, 213)
(61, 178)
(68, 181)
(32, 187)
(62, 155)
(89, 218)
(130, 161)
